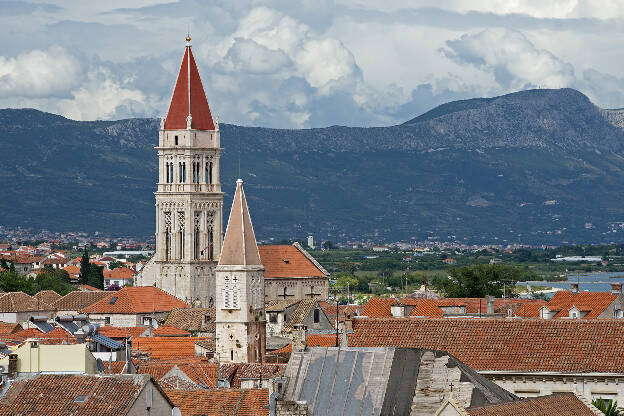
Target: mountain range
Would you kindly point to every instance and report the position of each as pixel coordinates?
(536, 166)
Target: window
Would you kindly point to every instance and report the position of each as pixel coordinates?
(147, 321)
(273, 318)
(617, 314)
(176, 140)
(113, 300)
(317, 316)
(232, 355)
(107, 320)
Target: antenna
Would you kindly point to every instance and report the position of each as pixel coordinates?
(239, 156)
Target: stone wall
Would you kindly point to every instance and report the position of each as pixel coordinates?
(290, 408)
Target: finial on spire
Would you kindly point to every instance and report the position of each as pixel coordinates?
(239, 181)
(188, 39)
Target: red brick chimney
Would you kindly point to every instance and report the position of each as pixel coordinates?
(575, 287)
(616, 288)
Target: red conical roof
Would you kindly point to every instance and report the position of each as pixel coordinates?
(180, 106)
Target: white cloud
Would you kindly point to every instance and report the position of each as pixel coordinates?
(512, 59)
(39, 73)
(100, 97)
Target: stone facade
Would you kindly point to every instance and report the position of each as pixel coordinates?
(591, 386)
(290, 408)
(296, 288)
(189, 205)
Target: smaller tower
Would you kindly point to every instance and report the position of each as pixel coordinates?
(240, 317)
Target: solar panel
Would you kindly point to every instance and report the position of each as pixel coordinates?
(44, 326)
(70, 327)
(107, 342)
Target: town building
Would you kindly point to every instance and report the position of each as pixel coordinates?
(240, 315)
(189, 201)
(292, 273)
(133, 306)
(283, 315)
(198, 321)
(86, 395)
(584, 305)
(18, 307)
(34, 356)
(528, 357)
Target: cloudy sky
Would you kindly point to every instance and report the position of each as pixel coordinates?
(319, 63)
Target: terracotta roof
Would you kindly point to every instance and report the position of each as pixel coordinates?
(523, 345)
(56, 336)
(167, 347)
(121, 333)
(427, 307)
(76, 300)
(239, 244)
(8, 329)
(530, 310)
(141, 299)
(559, 404)
(251, 402)
(47, 296)
(201, 371)
(594, 303)
(116, 367)
(56, 395)
(54, 261)
(378, 307)
(193, 319)
(287, 261)
(21, 302)
(181, 105)
(119, 273)
(170, 331)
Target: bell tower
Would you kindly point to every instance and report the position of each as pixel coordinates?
(189, 201)
(240, 317)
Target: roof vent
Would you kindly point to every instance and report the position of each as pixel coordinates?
(113, 300)
(80, 399)
(286, 261)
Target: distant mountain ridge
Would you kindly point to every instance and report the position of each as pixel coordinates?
(485, 169)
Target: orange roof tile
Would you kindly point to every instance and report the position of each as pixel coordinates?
(8, 329)
(378, 307)
(167, 347)
(199, 369)
(594, 303)
(427, 307)
(169, 331)
(47, 296)
(21, 302)
(119, 273)
(287, 261)
(118, 333)
(313, 340)
(527, 345)
(251, 402)
(141, 299)
(78, 299)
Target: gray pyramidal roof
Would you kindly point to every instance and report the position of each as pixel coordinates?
(239, 247)
(371, 381)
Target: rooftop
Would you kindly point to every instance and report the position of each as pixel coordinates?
(130, 299)
(559, 404)
(250, 402)
(519, 345)
(288, 261)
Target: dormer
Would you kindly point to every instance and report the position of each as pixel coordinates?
(576, 313)
(546, 313)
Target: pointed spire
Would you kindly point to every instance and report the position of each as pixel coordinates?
(189, 98)
(239, 247)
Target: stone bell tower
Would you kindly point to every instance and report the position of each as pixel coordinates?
(240, 317)
(189, 201)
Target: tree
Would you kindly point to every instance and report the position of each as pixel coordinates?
(3, 264)
(608, 407)
(96, 276)
(478, 280)
(84, 267)
(53, 279)
(114, 264)
(10, 281)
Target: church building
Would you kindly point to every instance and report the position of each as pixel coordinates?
(189, 201)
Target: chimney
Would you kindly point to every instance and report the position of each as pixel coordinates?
(300, 334)
(575, 287)
(616, 288)
(490, 304)
(348, 322)
(12, 365)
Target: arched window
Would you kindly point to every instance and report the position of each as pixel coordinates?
(232, 355)
(167, 168)
(317, 316)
